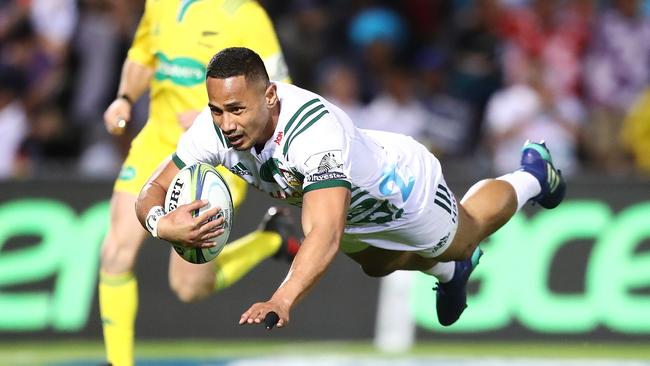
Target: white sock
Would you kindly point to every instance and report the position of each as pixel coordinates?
(525, 184)
(443, 271)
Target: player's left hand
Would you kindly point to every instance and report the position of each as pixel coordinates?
(256, 313)
(181, 227)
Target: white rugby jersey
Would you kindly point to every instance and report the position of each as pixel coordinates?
(314, 146)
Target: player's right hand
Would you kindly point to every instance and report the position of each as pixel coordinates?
(116, 116)
(258, 312)
(180, 227)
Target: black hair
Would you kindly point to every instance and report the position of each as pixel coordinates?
(236, 61)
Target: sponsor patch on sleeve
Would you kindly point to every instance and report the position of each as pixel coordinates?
(325, 166)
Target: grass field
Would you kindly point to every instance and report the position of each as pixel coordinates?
(192, 353)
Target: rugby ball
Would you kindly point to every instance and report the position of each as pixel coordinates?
(198, 182)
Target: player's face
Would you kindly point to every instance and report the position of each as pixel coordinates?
(242, 110)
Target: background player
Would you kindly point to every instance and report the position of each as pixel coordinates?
(173, 42)
(380, 196)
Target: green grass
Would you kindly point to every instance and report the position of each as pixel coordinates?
(38, 353)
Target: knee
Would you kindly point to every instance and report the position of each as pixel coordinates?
(189, 288)
(374, 271)
(118, 254)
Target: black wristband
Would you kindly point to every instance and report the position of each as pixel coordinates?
(125, 97)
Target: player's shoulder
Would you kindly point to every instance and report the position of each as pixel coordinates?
(307, 122)
(299, 107)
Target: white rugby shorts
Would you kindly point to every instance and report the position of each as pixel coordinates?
(427, 232)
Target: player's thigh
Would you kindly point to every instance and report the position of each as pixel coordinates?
(378, 262)
(190, 281)
(465, 240)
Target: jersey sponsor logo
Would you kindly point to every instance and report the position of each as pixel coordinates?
(127, 173)
(325, 176)
(324, 162)
(182, 71)
(328, 162)
(240, 169)
(278, 138)
(325, 166)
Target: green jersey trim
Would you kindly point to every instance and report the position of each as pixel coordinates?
(294, 135)
(356, 195)
(304, 117)
(183, 8)
(295, 115)
(177, 161)
(327, 184)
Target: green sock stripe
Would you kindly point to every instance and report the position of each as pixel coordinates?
(541, 150)
(476, 256)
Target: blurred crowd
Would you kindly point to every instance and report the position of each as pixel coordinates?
(471, 79)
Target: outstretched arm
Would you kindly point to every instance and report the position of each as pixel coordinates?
(323, 220)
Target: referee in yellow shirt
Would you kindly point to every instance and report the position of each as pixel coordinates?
(173, 43)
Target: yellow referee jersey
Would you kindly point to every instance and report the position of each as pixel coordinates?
(177, 38)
